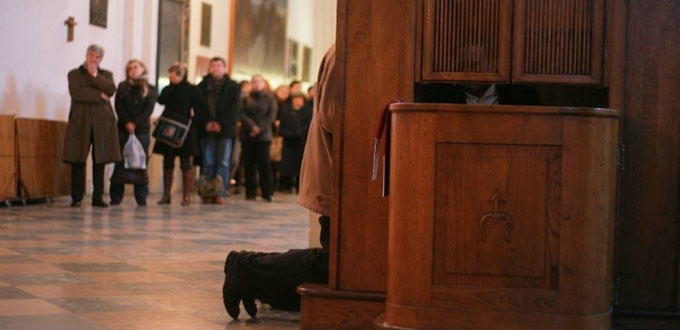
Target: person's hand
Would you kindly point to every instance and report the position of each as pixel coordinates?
(277, 123)
(130, 127)
(92, 69)
(255, 131)
(105, 97)
(213, 126)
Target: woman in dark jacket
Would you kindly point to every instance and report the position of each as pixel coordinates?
(179, 98)
(257, 116)
(295, 121)
(135, 100)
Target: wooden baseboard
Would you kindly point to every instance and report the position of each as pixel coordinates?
(323, 308)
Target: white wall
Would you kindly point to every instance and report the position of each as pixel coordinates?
(36, 57)
(219, 39)
(300, 23)
(325, 13)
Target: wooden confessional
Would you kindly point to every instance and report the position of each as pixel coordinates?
(590, 178)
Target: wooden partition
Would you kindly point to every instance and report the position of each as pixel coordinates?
(40, 146)
(501, 217)
(519, 41)
(8, 175)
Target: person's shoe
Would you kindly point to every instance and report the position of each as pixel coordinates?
(250, 198)
(115, 203)
(142, 203)
(268, 199)
(218, 200)
(164, 200)
(99, 203)
(231, 293)
(75, 204)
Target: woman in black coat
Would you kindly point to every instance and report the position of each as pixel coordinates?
(179, 98)
(295, 121)
(257, 115)
(135, 100)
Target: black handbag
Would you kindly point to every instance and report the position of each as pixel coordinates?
(122, 175)
(171, 132)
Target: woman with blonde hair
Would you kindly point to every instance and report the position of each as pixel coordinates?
(134, 104)
(179, 98)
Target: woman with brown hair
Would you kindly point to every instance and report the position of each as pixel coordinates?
(134, 104)
(179, 98)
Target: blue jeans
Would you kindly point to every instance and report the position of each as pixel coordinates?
(216, 158)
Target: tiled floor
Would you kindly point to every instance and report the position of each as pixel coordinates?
(148, 268)
(130, 267)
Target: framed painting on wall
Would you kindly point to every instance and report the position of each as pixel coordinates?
(307, 64)
(293, 59)
(173, 37)
(258, 38)
(99, 12)
(206, 24)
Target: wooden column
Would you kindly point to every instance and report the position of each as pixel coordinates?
(648, 240)
(375, 51)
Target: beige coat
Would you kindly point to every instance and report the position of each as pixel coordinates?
(90, 115)
(316, 175)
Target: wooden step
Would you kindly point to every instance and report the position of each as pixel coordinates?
(324, 308)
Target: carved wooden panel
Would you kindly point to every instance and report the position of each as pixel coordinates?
(466, 40)
(558, 41)
(497, 216)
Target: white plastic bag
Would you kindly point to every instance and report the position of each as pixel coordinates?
(133, 154)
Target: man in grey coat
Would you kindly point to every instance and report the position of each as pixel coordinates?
(91, 122)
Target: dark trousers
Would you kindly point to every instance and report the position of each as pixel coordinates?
(117, 191)
(289, 182)
(78, 181)
(274, 277)
(256, 161)
(78, 178)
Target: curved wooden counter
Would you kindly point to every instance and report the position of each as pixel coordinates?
(500, 217)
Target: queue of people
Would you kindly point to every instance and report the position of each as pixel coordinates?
(201, 127)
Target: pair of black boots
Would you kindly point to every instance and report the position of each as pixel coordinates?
(234, 289)
(273, 278)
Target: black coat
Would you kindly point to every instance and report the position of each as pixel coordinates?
(179, 100)
(295, 124)
(294, 129)
(131, 106)
(226, 109)
(258, 109)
